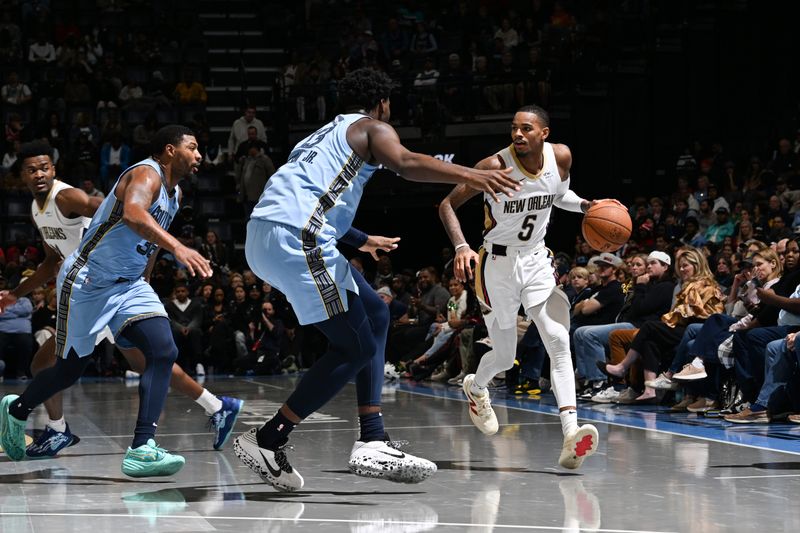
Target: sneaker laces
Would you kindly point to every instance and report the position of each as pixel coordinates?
(281, 459)
(484, 405)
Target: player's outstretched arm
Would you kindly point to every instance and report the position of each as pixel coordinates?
(384, 144)
(139, 192)
(75, 202)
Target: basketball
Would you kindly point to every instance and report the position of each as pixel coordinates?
(606, 226)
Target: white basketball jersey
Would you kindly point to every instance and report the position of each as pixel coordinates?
(62, 234)
(522, 220)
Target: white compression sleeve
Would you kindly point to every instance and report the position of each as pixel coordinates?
(568, 200)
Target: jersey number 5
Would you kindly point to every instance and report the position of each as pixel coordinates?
(527, 228)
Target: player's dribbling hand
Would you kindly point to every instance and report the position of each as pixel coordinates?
(593, 203)
(494, 182)
(790, 338)
(7, 299)
(196, 264)
(462, 265)
(377, 242)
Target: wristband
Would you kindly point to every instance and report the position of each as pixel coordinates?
(462, 245)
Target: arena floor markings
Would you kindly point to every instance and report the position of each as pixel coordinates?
(654, 471)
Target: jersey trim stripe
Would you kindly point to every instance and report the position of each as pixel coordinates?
(489, 222)
(66, 288)
(522, 168)
(328, 291)
(480, 275)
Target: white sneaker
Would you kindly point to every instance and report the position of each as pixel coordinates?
(662, 382)
(272, 466)
(200, 369)
(579, 445)
(480, 408)
(390, 373)
(130, 374)
(383, 459)
(607, 395)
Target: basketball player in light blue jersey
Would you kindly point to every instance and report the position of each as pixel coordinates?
(102, 284)
(308, 207)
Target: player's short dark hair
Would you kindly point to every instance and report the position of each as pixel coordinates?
(364, 88)
(34, 149)
(540, 113)
(172, 134)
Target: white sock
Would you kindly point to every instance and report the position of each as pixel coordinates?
(209, 402)
(698, 363)
(478, 390)
(59, 425)
(569, 421)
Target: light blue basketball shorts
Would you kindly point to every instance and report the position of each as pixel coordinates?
(312, 273)
(86, 308)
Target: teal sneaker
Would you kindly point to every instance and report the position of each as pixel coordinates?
(148, 460)
(12, 431)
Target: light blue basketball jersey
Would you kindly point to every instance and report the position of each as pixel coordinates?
(110, 250)
(320, 186)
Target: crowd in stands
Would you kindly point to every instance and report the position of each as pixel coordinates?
(450, 60)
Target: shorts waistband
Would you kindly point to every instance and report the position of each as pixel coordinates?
(503, 250)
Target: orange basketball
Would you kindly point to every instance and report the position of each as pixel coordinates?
(606, 226)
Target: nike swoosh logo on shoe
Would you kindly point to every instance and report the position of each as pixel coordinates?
(275, 472)
(401, 456)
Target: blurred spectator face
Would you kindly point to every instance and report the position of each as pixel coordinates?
(219, 296)
(702, 182)
(655, 268)
(686, 269)
(253, 151)
(252, 134)
(211, 237)
(181, 293)
(705, 206)
(424, 280)
(248, 277)
(481, 64)
(774, 203)
(13, 79)
(637, 267)
(398, 285)
(87, 186)
(508, 59)
(206, 292)
(784, 146)
(723, 267)
(429, 64)
(578, 281)
(454, 62)
(455, 287)
(384, 264)
(250, 114)
(239, 294)
(268, 310)
(254, 292)
(791, 255)
(266, 288)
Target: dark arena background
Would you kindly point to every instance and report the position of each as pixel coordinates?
(687, 112)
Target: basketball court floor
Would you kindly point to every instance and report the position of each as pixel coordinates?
(654, 471)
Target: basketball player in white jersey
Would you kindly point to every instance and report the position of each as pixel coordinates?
(62, 213)
(513, 268)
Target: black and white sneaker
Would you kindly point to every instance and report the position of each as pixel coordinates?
(383, 459)
(272, 466)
